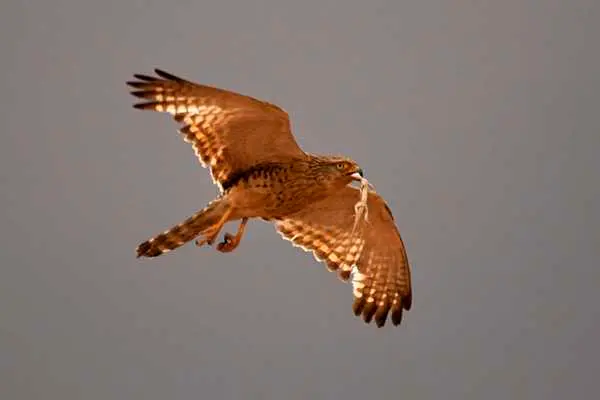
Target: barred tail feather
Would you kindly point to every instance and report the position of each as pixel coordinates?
(185, 231)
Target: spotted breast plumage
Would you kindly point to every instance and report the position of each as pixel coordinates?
(261, 172)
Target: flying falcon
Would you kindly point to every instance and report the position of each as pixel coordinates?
(261, 172)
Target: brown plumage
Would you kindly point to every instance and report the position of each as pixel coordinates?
(261, 172)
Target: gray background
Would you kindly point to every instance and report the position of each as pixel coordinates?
(478, 121)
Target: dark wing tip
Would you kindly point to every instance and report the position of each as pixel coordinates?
(142, 94)
(371, 312)
(382, 313)
(358, 305)
(151, 105)
(146, 78)
(165, 75)
(397, 309)
(143, 80)
(407, 302)
(396, 316)
(137, 84)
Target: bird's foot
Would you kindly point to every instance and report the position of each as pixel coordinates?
(208, 239)
(203, 241)
(229, 243)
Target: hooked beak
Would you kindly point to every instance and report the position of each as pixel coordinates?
(358, 175)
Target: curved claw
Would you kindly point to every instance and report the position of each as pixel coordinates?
(206, 240)
(228, 244)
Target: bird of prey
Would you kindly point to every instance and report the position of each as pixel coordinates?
(261, 172)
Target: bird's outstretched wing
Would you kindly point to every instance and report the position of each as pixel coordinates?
(373, 257)
(229, 132)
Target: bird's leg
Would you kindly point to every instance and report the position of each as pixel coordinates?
(230, 242)
(212, 232)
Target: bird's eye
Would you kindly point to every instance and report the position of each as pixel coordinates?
(340, 166)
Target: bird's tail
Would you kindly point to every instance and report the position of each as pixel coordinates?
(180, 234)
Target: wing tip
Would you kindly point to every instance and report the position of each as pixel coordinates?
(168, 76)
(143, 80)
(396, 316)
(142, 94)
(146, 78)
(145, 106)
(370, 311)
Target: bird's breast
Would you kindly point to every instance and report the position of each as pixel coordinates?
(274, 191)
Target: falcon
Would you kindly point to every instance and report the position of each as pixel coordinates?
(261, 172)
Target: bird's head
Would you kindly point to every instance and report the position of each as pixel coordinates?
(340, 171)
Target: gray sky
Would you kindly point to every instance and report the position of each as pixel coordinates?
(478, 122)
